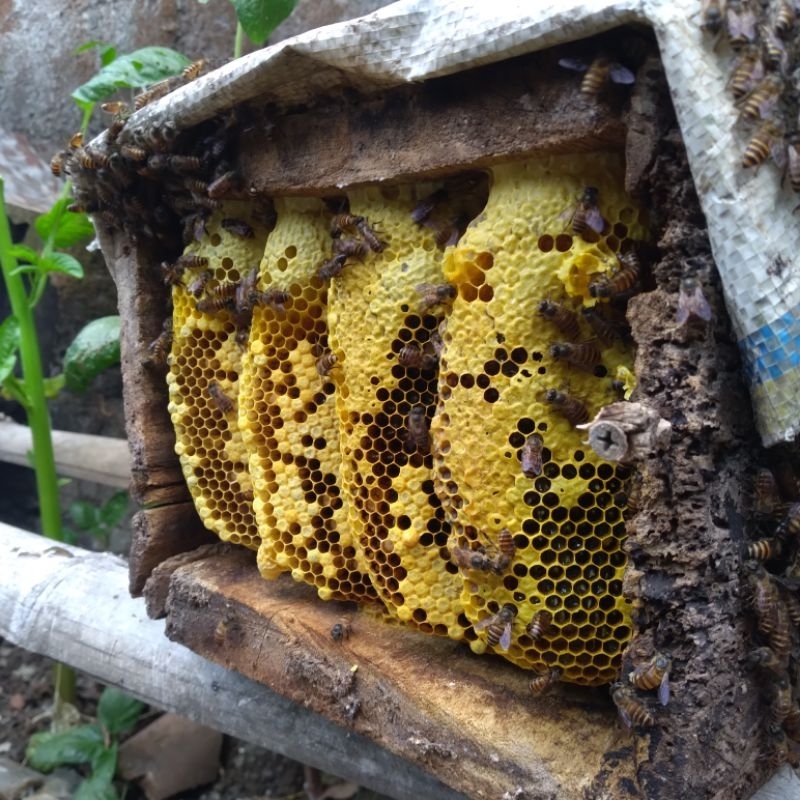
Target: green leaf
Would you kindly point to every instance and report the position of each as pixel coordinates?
(117, 712)
(100, 784)
(260, 17)
(131, 71)
(62, 262)
(80, 745)
(107, 55)
(95, 349)
(24, 253)
(114, 509)
(9, 345)
(70, 228)
(90, 45)
(83, 514)
(54, 385)
(14, 388)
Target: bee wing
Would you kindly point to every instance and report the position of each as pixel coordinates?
(625, 717)
(620, 74)
(663, 690)
(595, 220)
(575, 64)
(484, 623)
(778, 153)
(505, 639)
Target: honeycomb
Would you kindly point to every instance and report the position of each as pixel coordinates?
(380, 447)
(288, 417)
(203, 378)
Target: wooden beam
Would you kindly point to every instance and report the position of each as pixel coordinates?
(99, 459)
(50, 594)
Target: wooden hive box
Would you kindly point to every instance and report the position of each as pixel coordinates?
(470, 721)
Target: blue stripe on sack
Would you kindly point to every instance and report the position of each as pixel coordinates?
(772, 350)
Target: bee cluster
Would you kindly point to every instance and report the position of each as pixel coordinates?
(773, 572)
(762, 81)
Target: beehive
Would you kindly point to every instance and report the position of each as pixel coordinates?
(344, 496)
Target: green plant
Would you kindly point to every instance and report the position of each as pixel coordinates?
(95, 744)
(257, 19)
(97, 521)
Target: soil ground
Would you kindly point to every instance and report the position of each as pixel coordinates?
(247, 772)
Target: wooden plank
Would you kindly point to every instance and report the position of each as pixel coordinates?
(469, 720)
(524, 106)
(161, 533)
(50, 594)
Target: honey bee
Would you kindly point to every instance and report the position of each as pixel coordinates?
(767, 498)
(161, 344)
(193, 70)
(154, 92)
(740, 23)
(692, 304)
(598, 73)
(565, 319)
(793, 167)
(273, 297)
(198, 285)
(373, 242)
(539, 625)
(631, 710)
(90, 159)
(531, 456)
(622, 281)
(764, 549)
(760, 101)
(747, 72)
(326, 362)
(569, 407)
(350, 248)
(216, 302)
(584, 355)
(585, 216)
(765, 658)
(192, 260)
(76, 140)
(712, 17)
(775, 54)
(57, 164)
(790, 525)
(412, 356)
(447, 234)
(792, 608)
(238, 228)
(172, 273)
(179, 163)
(606, 330)
(115, 107)
(222, 402)
(766, 141)
(771, 615)
(782, 704)
(133, 153)
(434, 294)
(784, 18)
(226, 183)
(344, 223)
(498, 626)
(653, 674)
(464, 558)
(542, 683)
(341, 631)
(428, 204)
(506, 551)
(417, 435)
(332, 267)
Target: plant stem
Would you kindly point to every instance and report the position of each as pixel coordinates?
(33, 380)
(237, 42)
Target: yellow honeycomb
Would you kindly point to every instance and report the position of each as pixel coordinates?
(288, 417)
(203, 377)
(495, 371)
(386, 428)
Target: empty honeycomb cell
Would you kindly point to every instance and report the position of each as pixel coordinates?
(288, 418)
(375, 313)
(204, 365)
(524, 259)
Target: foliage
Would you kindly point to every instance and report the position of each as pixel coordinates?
(259, 18)
(94, 349)
(98, 521)
(95, 744)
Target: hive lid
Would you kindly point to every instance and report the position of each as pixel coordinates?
(753, 234)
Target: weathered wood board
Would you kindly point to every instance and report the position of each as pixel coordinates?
(469, 720)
